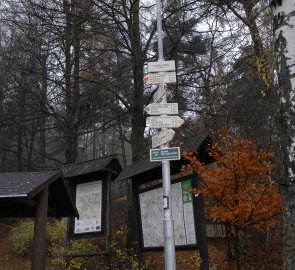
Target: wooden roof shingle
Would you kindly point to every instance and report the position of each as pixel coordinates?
(18, 193)
(199, 144)
(89, 166)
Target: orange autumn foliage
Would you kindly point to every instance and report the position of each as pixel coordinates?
(240, 183)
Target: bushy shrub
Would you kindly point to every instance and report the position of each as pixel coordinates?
(57, 249)
(59, 253)
(126, 258)
(21, 242)
(21, 239)
(89, 262)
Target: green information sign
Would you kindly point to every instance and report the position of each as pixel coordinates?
(172, 153)
(186, 185)
(188, 211)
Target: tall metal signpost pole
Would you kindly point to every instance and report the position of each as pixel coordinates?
(160, 73)
(168, 226)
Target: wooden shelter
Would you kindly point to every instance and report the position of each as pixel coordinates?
(19, 192)
(39, 195)
(146, 176)
(146, 171)
(97, 174)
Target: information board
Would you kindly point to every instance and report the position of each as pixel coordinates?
(151, 214)
(88, 203)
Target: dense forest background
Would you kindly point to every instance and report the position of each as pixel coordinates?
(71, 81)
(72, 88)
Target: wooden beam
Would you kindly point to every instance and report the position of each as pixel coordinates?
(108, 217)
(32, 203)
(40, 233)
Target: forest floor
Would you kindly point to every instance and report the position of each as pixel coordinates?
(254, 259)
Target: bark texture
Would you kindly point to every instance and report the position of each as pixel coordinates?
(137, 117)
(284, 22)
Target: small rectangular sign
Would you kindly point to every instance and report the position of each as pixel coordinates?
(162, 77)
(161, 66)
(162, 138)
(165, 202)
(164, 121)
(162, 154)
(161, 108)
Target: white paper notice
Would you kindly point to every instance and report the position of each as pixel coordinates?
(188, 212)
(189, 223)
(88, 203)
(151, 209)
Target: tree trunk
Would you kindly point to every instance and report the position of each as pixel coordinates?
(254, 32)
(122, 142)
(20, 134)
(137, 117)
(72, 79)
(94, 144)
(30, 147)
(229, 252)
(43, 109)
(284, 22)
(68, 68)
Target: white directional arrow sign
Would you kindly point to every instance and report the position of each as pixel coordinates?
(161, 77)
(162, 138)
(159, 93)
(161, 66)
(161, 108)
(164, 121)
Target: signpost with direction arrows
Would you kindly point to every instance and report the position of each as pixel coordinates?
(160, 92)
(165, 121)
(164, 116)
(162, 72)
(161, 108)
(161, 77)
(161, 66)
(162, 138)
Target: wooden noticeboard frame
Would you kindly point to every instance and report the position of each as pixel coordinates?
(199, 217)
(156, 222)
(103, 206)
(105, 217)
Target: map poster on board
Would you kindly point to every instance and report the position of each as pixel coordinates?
(88, 203)
(151, 213)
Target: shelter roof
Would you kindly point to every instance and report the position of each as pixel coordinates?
(18, 193)
(91, 166)
(199, 144)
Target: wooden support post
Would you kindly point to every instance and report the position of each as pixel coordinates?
(133, 219)
(108, 220)
(201, 227)
(40, 232)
